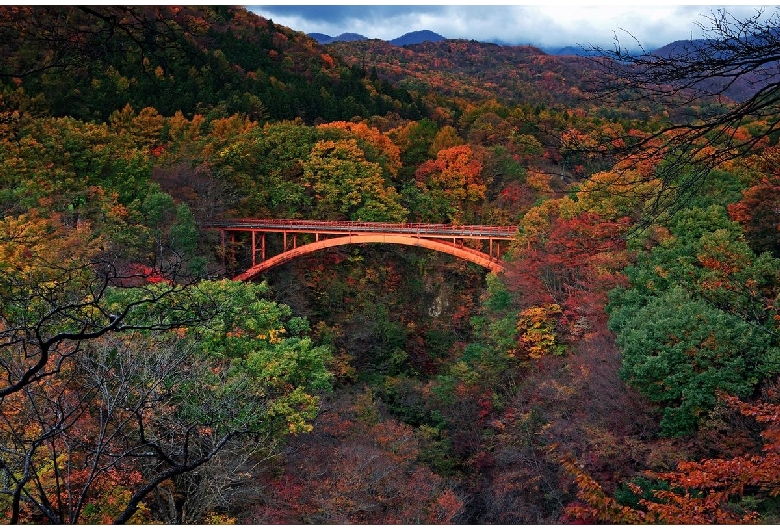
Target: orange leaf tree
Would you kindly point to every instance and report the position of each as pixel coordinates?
(712, 491)
(452, 181)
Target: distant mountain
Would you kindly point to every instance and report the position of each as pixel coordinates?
(739, 89)
(417, 37)
(321, 38)
(571, 50)
(344, 37)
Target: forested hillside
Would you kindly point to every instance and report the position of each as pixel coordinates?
(475, 70)
(623, 369)
(206, 60)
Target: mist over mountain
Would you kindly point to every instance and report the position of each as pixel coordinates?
(571, 50)
(421, 36)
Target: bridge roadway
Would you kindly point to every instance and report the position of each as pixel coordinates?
(440, 237)
(359, 227)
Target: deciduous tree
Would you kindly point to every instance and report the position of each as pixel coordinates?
(570, 262)
(346, 184)
(711, 491)
(387, 153)
(452, 181)
(757, 212)
(131, 410)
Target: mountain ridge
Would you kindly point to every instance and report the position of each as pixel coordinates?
(425, 35)
(413, 37)
(418, 37)
(322, 38)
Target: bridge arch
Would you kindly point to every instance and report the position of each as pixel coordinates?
(469, 254)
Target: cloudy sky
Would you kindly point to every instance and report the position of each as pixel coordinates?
(552, 25)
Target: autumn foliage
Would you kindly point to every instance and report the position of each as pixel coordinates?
(356, 469)
(571, 263)
(374, 384)
(711, 491)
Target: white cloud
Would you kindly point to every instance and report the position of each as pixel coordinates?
(548, 25)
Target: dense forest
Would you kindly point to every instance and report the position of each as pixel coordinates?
(624, 368)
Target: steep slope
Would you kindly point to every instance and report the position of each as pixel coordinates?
(87, 62)
(473, 69)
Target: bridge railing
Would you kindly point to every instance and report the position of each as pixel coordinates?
(300, 225)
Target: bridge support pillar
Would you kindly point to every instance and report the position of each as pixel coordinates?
(224, 250)
(255, 249)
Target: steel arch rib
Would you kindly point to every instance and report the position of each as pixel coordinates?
(469, 254)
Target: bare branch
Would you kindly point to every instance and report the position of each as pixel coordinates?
(734, 73)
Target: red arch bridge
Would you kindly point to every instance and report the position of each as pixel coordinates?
(300, 237)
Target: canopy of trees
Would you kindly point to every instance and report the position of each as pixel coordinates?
(622, 370)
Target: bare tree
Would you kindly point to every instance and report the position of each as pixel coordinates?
(52, 316)
(121, 422)
(134, 389)
(709, 87)
(45, 321)
(143, 400)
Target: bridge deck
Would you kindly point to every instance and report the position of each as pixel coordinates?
(358, 227)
